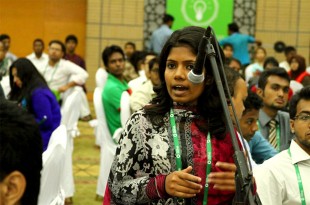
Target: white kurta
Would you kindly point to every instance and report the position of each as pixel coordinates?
(62, 73)
(276, 178)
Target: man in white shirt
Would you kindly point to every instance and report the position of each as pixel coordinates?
(145, 93)
(284, 179)
(38, 57)
(61, 74)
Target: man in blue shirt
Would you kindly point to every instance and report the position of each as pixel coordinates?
(260, 148)
(240, 43)
(161, 35)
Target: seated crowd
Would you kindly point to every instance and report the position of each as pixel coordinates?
(175, 147)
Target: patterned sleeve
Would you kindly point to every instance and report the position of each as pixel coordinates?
(129, 172)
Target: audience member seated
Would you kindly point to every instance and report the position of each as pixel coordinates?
(273, 88)
(113, 58)
(6, 39)
(145, 93)
(38, 57)
(284, 179)
(228, 52)
(129, 49)
(256, 68)
(114, 61)
(298, 70)
(71, 44)
(238, 91)
(142, 64)
(30, 91)
(260, 148)
(20, 156)
(235, 64)
(61, 74)
(289, 51)
(129, 72)
(5, 64)
(270, 62)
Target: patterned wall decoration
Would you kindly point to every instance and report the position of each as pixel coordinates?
(244, 16)
(154, 11)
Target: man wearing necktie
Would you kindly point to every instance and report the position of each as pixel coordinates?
(273, 88)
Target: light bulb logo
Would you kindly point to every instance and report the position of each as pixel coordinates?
(199, 7)
(200, 12)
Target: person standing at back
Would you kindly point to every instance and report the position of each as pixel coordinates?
(240, 43)
(161, 35)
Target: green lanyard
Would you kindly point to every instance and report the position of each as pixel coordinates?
(178, 154)
(277, 134)
(301, 188)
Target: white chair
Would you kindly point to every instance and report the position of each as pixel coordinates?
(101, 128)
(51, 191)
(70, 115)
(125, 108)
(101, 77)
(108, 142)
(108, 146)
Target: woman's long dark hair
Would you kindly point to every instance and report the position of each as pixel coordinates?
(30, 77)
(209, 105)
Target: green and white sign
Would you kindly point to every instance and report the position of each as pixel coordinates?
(203, 13)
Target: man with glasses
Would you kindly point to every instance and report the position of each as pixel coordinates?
(61, 74)
(273, 88)
(284, 179)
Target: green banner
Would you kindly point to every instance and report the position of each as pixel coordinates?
(203, 13)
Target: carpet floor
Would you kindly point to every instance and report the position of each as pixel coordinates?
(86, 160)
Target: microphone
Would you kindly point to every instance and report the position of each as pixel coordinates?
(195, 75)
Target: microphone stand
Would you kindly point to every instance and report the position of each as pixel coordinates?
(244, 184)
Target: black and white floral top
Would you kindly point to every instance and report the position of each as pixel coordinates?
(146, 151)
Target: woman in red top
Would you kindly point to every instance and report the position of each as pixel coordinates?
(298, 70)
(177, 149)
